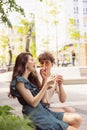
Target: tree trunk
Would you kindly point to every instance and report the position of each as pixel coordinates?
(27, 43)
(10, 60)
(28, 40)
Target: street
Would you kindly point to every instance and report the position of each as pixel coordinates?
(76, 97)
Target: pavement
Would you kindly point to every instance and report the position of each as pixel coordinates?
(76, 96)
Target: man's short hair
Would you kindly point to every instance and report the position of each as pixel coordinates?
(46, 56)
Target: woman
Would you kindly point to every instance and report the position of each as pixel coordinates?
(24, 86)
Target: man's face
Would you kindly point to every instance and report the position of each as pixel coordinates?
(47, 65)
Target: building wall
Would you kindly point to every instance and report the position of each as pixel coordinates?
(83, 55)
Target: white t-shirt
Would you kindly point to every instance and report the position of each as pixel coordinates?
(50, 92)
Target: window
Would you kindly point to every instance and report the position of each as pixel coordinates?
(76, 10)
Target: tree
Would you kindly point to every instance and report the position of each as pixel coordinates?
(7, 6)
(10, 55)
(73, 30)
(4, 41)
(54, 11)
(74, 34)
(27, 29)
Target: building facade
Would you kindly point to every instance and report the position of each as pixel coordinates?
(78, 12)
(59, 23)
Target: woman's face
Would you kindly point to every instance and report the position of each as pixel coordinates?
(30, 66)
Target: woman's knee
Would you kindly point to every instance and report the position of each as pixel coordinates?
(75, 123)
(73, 119)
(78, 119)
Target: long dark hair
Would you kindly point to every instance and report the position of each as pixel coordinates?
(19, 69)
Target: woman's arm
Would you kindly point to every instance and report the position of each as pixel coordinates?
(27, 95)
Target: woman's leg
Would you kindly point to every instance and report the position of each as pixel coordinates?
(73, 119)
(69, 109)
(71, 128)
(63, 109)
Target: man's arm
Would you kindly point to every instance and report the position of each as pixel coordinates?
(59, 89)
(61, 93)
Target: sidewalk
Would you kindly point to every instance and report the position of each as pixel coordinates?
(76, 97)
(76, 93)
(6, 76)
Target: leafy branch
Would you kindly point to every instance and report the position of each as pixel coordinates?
(7, 6)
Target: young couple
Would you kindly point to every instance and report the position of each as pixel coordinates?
(30, 93)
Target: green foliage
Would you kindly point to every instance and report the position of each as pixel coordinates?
(5, 110)
(10, 121)
(75, 35)
(71, 21)
(26, 26)
(7, 6)
(27, 29)
(23, 28)
(4, 41)
(73, 29)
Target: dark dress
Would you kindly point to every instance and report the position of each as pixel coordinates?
(42, 117)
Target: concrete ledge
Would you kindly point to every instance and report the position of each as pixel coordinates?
(75, 81)
(72, 75)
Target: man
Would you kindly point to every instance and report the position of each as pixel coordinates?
(47, 61)
(73, 57)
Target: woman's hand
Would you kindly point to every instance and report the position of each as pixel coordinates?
(50, 80)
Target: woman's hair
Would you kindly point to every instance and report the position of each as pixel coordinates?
(20, 63)
(46, 56)
(19, 69)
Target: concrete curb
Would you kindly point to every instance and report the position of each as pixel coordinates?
(75, 81)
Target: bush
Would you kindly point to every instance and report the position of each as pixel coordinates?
(10, 121)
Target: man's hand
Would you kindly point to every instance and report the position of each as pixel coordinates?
(59, 80)
(43, 73)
